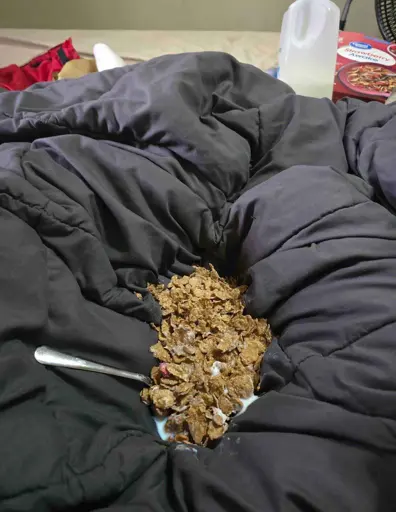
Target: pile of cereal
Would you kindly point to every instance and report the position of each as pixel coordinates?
(209, 352)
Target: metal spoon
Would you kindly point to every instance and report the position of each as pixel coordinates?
(48, 356)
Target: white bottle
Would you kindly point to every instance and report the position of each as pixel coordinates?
(105, 57)
(308, 47)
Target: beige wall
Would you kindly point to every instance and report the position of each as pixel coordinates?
(165, 14)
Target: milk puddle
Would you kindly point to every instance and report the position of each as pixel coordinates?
(160, 422)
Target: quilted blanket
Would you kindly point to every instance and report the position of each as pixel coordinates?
(127, 177)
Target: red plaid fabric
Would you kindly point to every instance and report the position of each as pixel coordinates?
(39, 69)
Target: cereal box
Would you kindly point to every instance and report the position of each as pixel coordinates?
(365, 69)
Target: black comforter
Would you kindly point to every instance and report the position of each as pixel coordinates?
(129, 176)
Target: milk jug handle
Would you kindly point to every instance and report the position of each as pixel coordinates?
(312, 9)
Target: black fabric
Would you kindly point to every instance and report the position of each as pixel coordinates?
(62, 56)
(132, 175)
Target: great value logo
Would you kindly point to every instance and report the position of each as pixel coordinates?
(360, 46)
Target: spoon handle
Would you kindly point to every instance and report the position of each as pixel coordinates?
(48, 356)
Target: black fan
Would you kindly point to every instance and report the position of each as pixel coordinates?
(385, 11)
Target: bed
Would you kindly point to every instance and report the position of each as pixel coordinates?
(257, 48)
(134, 175)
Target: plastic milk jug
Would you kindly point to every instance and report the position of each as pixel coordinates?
(308, 47)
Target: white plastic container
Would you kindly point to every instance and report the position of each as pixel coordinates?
(105, 58)
(308, 47)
